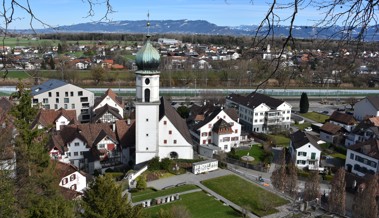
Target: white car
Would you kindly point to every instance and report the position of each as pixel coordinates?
(308, 129)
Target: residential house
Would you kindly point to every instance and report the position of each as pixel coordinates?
(367, 107)
(332, 133)
(48, 118)
(261, 113)
(110, 98)
(70, 177)
(365, 130)
(56, 94)
(126, 135)
(106, 114)
(87, 146)
(305, 151)
(363, 158)
(215, 127)
(347, 121)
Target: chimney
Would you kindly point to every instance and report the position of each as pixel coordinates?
(128, 121)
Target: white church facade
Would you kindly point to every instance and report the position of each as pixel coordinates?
(160, 131)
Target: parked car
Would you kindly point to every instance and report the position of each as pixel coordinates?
(308, 129)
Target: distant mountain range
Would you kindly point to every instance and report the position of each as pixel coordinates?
(202, 27)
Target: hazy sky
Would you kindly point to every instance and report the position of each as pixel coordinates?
(220, 12)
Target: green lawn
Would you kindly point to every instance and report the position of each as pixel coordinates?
(280, 140)
(200, 205)
(246, 194)
(150, 193)
(17, 74)
(339, 155)
(256, 151)
(315, 116)
(302, 126)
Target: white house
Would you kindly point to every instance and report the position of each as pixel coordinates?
(261, 113)
(57, 119)
(305, 151)
(70, 176)
(110, 98)
(367, 107)
(347, 121)
(216, 127)
(365, 130)
(56, 94)
(363, 158)
(332, 133)
(86, 144)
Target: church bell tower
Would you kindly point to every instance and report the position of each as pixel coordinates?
(147, 102)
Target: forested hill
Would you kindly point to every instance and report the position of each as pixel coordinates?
(204, 27)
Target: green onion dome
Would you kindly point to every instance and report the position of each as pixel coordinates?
(147, 58)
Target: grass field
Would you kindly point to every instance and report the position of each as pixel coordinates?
(256, 151)
(316, 116)
(246, 194)
(280, 140)
(150, 193)
(200, 205)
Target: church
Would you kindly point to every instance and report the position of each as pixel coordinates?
(159, 129)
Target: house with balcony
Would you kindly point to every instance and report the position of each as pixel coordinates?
(111, 99)
(363, 158)
(347, 121)
(260, 113)
(215, 128)
(91, 146)
(365, 130)
(305, 151)
(55, 94)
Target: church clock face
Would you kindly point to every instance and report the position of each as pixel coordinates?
(147, 81)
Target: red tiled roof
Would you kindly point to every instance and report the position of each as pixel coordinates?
(48, 117)
(330, 128)
(343, 118)
(126, 133)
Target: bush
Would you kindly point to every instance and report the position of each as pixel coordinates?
(166, 164)
(154, 164)
(115, 175)
(303, 173)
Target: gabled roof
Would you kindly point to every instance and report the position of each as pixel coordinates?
(255, 99)
(369, 148)
(126, 132)
(374, 100)
(374, 120)
(331, 128)
(343, 118)
(165, 109)
(104, 109)
(47, 117)
(301, 138)
(222, 127)
(210, 116)
(112, 95)
(89, 133)
(47, 86)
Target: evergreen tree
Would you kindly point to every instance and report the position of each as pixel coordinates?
(38, 193)
(337, 195)
(365, 205)
(278, 177)
(52, 63)
(104, 198)
(312, 187)
(304, 103)
(141, 183)
(59, 48)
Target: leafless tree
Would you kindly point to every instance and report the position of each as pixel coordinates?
(278, 177)
(351, 15)
(291, 179)
(365, 205)
(312, 187)
(337, 195)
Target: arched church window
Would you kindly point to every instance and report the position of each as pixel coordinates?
(147, 95)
